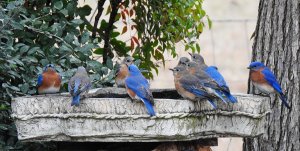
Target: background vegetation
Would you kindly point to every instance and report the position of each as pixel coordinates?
(34, 33)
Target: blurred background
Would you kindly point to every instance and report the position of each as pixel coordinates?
(226, 45)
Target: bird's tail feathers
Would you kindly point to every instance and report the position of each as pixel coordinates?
(219, 95)
(75, 100)
(149, 107)
(231, 98)
(212, 103)
(284, 100)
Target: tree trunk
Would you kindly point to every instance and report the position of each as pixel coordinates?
(277, 45)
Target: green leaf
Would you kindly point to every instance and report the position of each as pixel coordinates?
(103, 25)
(24, 48)
(85, 37)
(198, 48)
(17, 25)
(84, 11)
(109, 63)
(19, 45)
(58, 5)
(44, 62)
(46, 10)
(99, 51)
(31, 59)
(65, 48)
(77, 21)
(69, 38)
(75, 60)
(209, 22)
(13, 73)
(104, 70)
(24, 88)
(114, 34)
(33, 50)
(64, 11)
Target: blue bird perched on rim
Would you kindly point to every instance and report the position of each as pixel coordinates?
(213, 72)
(49, 81)
(265, 81)
(138, 88)
(209, 84)
(78, 85)
(190, 87)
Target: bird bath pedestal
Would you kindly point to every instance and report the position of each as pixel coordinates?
(109, 116)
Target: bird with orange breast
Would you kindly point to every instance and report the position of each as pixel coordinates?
(265, 81)
(190, 87)
(122, 72)
(138, 88)
(49, 81)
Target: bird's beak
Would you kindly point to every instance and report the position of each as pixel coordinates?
(248, 68)
(190, 54)
(171, 69)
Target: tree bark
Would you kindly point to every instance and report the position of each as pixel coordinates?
(277, 45)
(107, 52)
(100, 9)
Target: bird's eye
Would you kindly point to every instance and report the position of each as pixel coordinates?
(194, 57)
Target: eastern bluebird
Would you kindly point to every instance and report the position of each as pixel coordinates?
(122, 72)
(213, 72)
(265, 81)
(210, 84)
(49, 81)
(189, 86)
(78, 85)
(182, 61)
(138, 88)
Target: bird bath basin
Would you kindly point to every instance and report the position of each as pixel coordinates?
(108, 115)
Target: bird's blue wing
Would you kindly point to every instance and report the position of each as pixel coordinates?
(141, 88)
(271, 79)
(137, 85)
(40, 80)
(193, 86)
(216, 68)
(216, 75)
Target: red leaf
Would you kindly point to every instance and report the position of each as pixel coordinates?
(131, 12)
(124, 29)
(133, 26)
(121, 6)
(123, 15)
(126, 11)
(124, 22)
(135, 40)
(131, 44)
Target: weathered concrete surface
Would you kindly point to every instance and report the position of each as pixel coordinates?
(51, 118)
